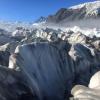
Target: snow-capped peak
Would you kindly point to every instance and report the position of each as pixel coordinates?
(92, 8)
(96, 4)
(41, 19)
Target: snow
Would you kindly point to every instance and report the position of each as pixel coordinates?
(11, 26)
(90, 32)
(92, 8)
(95, 3)
(38, 24)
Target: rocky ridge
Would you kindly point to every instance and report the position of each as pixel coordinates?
(78, 12)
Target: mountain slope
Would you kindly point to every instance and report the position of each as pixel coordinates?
(82, 11)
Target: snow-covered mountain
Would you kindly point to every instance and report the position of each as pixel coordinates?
(82, 11)
(95, 5)
(84, 15)
(92, 8)
(11, 26)
(79, 13)
(41, 19)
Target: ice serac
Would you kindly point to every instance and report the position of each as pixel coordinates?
(5, 52)
(85, 62)
(51, 69)
(45, 68)
(11, 87)
(4, 58)
(88, 93)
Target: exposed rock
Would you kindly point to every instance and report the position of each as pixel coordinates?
(41, 19)
(84, 11)
(67, 14)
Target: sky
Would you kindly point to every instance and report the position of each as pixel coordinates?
(30, 10)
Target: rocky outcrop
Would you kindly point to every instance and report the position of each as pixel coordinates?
(41, 19)
(67, 14)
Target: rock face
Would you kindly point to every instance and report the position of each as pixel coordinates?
(83, 11)
(68, 14)
(41, 19)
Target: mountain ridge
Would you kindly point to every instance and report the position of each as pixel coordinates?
(77, 12)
